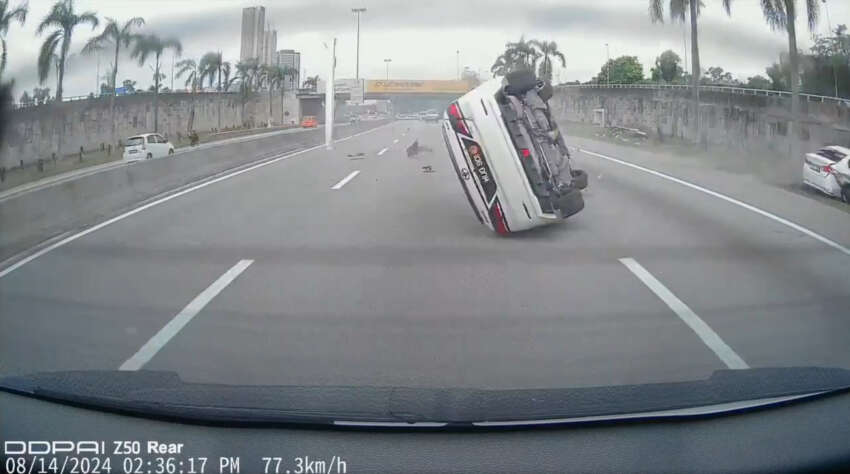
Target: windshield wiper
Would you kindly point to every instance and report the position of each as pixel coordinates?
(165, 395)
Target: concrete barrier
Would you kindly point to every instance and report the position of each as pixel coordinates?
(34, 217)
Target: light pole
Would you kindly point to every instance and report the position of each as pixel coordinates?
(834, 69)
(387, 62)
(457, 64)
(329, 97)
(608, 68)
(357, 12)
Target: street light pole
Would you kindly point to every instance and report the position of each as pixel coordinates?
(357, 12)
(608, 68)
(457, 65)
(387, 62)
(329, 97)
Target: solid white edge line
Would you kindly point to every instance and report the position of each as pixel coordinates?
(345, 180)
(181, 319)
(382, 151)
(127, 214)
(729, 199)
(686, 314)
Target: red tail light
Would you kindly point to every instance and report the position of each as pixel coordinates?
(525, 152)
(456, 119)
(828, 169)
(499, 220)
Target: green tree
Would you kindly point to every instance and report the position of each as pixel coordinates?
(667, 67)
(679, 11)
(189, 67)
(782, 15)
(622, 70)
(548, 50)
(758, 82)
(129, 86)
(64, 19)
(7, 16)
(115, 35)
(25, 99)
(152, 45)
(715, 75)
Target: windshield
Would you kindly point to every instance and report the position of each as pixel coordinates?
(430, 195)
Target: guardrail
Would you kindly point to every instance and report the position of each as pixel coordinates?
(723, 89)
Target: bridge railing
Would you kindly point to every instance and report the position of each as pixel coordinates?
(722, 89)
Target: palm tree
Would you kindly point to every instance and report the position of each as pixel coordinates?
(502, 66)
(118, 35)
(523, 51)
(7, 16)
(311, 82)
(289, 74)
(212, 66)
(64, 19)
(679, 9)
(190, 68)
(147, 45)
(272, 77)
(548, 49)
(248, 73)
(782, 15)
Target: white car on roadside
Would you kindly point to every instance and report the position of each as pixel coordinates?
(147, 146)
(828, 171)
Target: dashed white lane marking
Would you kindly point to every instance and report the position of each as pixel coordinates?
(161, 338)
(686, 314)
(384, 150)
(83, 233)
(395, 141)
(346, 180)
(728, 199)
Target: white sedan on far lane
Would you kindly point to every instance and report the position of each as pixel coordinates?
(828, 171)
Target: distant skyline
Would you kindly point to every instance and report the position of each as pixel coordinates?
(420, 37)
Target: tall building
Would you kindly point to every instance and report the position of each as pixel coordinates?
(269, 47)
(291, 58)
(253, 33)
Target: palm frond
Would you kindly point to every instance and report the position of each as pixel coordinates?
(813, 13)
(775, 14)
(90, 18)
(656, 11)
(45, 55)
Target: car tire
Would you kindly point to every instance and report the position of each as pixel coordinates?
(149, 156)
(170, 151)
(579, 178)
(570, 203)
(520, 82)
(845, 194)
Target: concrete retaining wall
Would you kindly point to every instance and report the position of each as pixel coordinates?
(62, 128)
(31, 218)
(727, 119)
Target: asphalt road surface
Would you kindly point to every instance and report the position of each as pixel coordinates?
(332, 268)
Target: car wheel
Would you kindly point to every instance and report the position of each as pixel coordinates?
(845, 194)
(579, 178)
(171, 151)
(150, 155)
(519, 82)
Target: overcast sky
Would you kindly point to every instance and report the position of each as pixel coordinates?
(420, 37)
